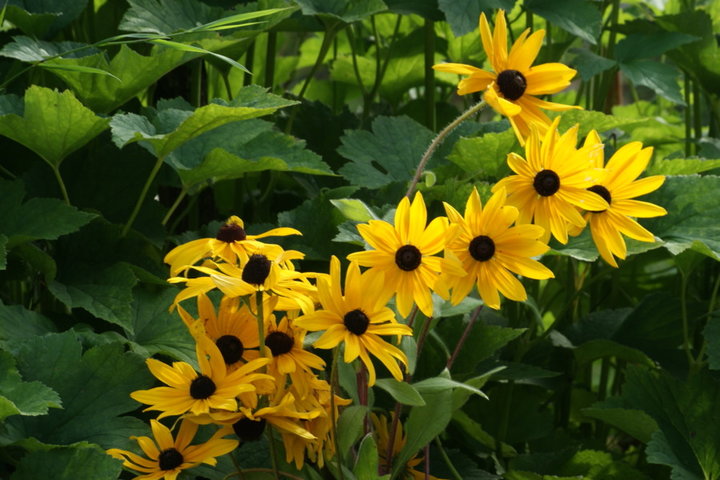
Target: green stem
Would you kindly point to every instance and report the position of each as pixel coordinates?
(61, 184)
(270, 58)
(453, 471)
(196, 68)
(429, 74)
(143, 193)
(333, 416)
(438, 140)
(249, 61)
(688, 109)
(685, 321)
(463, 337)
(504, 421)
(353, 53)
(260, 315)
(273, 453)
(381, 73)
(174, 207)
(697, 114)
(711, 308)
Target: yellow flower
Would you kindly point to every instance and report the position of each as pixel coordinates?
(551, 184)
(356, 319)
(403, 260)
(491, 250)
(168, 457)
(231, 245)
(512, 85)
(618, 189)
(188, 391)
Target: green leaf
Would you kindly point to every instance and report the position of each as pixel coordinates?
(41, 18)
(18, 323)
(167, 16)
(601, 348)
(636, 423)
(476, 431)
(712, 337)
(53, 124)
(659, 77)
(423, 424)
(350, 427)
(579, 17)
(390, 153)
(660, 451)
(27, 49)
(346, 10)
(94, 388)
(36, 24)
(154, 330)
(436, 384)
(36, 218)
(592, 120)
(682, 166)
(22, 398)
(638, 46)
(463, 15)
(354, 209)
(3, 252)
(366, 466)
(693, 209)
(401, 391)
(68, 463)
(589, 64)
(171, 127)
(484, 157)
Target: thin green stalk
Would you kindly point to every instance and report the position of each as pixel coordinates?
(237, 466)
(438, 140)
(687, 347)
(249, 61)
(7, 173)
(270, 58)
(463, 337)
(528, 19)
(260, 321)
(196, 68)
(143, 194)
(688, 114)
(697, 113)
(504, 421)
(333, 420)
(381, 72)
(61, 184)
(273, 454)
(174, 207)
(228, 87)
(453, 471)
(353, 53)
(429, 28)
(711, 308)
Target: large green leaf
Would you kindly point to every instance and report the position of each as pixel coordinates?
(633, 422)
(40, 18)
(712, 337)
(660, 77)
(350, 426)
(589, 64)
(174, 123)
(484, 157)
(682, 166)
(94, 387)
(463, 15)
(28, 49)
(401, 391)
(579, 17)
(37, 218)
(346, 10)
(18, 323)
(51, 124)
(638, 46)
(390, 153)
(592, 120)
(22, 398)
(68, 463)
(167, 16)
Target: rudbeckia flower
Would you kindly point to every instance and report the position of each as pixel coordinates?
(551, 183)
(231, 245)
(512, 86)
(404, 256)
(357, 319)
(167, 457)
(491, 250)
(619, 189)
(190, 392)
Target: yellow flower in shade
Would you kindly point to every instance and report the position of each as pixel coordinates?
(619, 189)
(382, 438)
(190, 392)
(233, 328)
(356, 319)
(231, 245)
(491, 250)
(403, 260)
(167, 457)
(512, 86)
(550, 185)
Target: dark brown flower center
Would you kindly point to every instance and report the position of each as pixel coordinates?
(279, 343)
(408, 257)
(249, 430)
(482, 248)
(231, 232)
(170, 459)
(512, 84)
(356, 321)
(546, 183)
(231, 348)
(256, 269)
(202, 387)
(603, 192)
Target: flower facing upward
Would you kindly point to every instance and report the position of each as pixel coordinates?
(404, 255)
(512, 85)
(491, 250)
(168, 457)
(551, 184)
(618, 189)
(230, 244)
(356, 319)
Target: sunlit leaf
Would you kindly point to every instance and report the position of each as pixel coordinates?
(660, 77)
(589, 64)
(463, 15)
(579, 17)
(682, 166)
(402, 392)
(350, 426)
(19, 397)
(638, 46)
(346, 10)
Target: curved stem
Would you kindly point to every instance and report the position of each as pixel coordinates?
(464, 337)
(453, 471)
(173, 207)
(143, 193)
(438, 140)
(56, 171)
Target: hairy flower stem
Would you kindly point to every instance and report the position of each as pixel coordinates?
(438, 140)
(463, 337)
(143, 194)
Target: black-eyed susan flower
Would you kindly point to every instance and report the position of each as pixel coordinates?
(512, 86)
(357, 319)
(167, 457)
(230, 245)
(190, 392)
(403, 259)
(492, 251)
(619, 189)
(550, 185)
